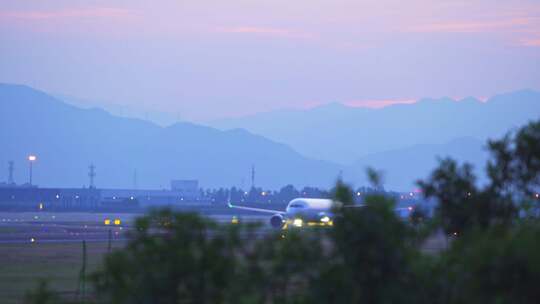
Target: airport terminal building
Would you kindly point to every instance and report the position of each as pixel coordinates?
(28, 197)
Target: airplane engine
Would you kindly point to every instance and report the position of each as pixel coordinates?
(277, 221)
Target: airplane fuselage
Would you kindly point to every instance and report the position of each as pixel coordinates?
(305, 211)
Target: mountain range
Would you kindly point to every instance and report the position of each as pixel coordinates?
(304, 148)
(345, 134)
(67, 139)
(401, 168)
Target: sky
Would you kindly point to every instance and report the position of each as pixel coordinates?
(202, 60)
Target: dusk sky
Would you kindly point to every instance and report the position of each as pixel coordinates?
(211, 59)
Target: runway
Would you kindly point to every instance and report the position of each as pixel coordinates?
(60, 227)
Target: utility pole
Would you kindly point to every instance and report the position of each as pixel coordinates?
(31, 160)
(11, 168)
(109, 242)
(92, 175)
(81, 290)
(252, 176)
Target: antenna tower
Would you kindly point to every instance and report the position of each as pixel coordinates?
(253, 176)
(11, 168)
(92, 175)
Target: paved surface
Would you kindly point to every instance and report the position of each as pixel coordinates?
(31, 227)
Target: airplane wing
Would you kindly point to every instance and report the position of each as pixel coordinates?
(410, 208)
(256, 209)
(353, 206)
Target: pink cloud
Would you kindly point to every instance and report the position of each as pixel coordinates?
(68, 13)
(376, 104)
(515, 24)
(264, 31)
(530, 42)
(372, 103)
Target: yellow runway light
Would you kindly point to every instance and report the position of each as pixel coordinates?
(107, 221)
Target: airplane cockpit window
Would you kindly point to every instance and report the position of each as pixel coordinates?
(296, 206)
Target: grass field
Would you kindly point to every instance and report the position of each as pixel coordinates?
(22, 266)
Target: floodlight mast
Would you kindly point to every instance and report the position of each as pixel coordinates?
(31, 159)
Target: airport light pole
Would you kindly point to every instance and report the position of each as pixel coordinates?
(31, 160)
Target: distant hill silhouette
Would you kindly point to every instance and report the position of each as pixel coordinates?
(67, 139)
(344, 134)
(402, 167)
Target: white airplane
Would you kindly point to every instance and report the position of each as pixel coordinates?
(300, 212)
(307, 212)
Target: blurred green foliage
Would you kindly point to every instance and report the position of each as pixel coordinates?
(370, 255)
(42, 295)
